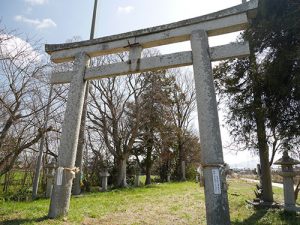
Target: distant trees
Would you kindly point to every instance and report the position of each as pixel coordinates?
(262, 91)
(22, 95)
(155, 117)
(183, 105)
(24, 91)
(118, 125)
(139, 119)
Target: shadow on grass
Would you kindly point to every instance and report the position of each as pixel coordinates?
(290, 218)
(22, 221)
(252, 220)
(285, 218)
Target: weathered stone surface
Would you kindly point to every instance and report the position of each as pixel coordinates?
(137, 180)
(104, 178)
(233, 50)
(288, 174)
(49, 187)
(229, 20)
(60, 198)
(225, 21)
(50, 168)
(216, 200)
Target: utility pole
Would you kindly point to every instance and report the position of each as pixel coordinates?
(94, 20)
(76, 190)
(35, 184)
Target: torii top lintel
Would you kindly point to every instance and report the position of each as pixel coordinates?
(217, 23)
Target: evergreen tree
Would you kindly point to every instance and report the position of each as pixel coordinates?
(262, 92)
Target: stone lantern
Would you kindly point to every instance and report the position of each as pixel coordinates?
(50, 171)
(104, 177)
(288, 173)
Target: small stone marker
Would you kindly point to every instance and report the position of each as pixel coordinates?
(104, 176)
(168, 177)
(201, 177)
(50, 168)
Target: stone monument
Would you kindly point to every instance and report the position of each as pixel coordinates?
(104, 177)
(50, 169)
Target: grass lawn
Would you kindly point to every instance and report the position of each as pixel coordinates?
(174, 203)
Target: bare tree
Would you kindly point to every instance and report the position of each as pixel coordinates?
(183, 105)
(109, 113)
(22, 95)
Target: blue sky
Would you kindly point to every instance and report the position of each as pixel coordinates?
(55, 21)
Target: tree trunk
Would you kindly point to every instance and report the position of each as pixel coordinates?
(6, 164)
(267, 195)
(121, 172)
(163, 172)
(181, 161)
(6, 182)
(148, 165)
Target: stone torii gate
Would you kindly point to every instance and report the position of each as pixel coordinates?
(196, 30)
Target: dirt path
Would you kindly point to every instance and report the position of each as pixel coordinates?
(257, 181)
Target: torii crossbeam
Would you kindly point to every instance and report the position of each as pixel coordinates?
(197, 31)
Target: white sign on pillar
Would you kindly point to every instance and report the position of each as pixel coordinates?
(216, 181)
(59, 175)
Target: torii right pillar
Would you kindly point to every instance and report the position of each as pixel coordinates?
(216, 199)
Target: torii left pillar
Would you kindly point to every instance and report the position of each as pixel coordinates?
(60, 198)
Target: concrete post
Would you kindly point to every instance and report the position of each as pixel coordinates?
(60, 198)
(216, 200)
(104, 177)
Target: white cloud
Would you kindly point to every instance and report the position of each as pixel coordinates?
(125, 9)
(28, 10)
(36, 2)
(38, 24)
(15, 47)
